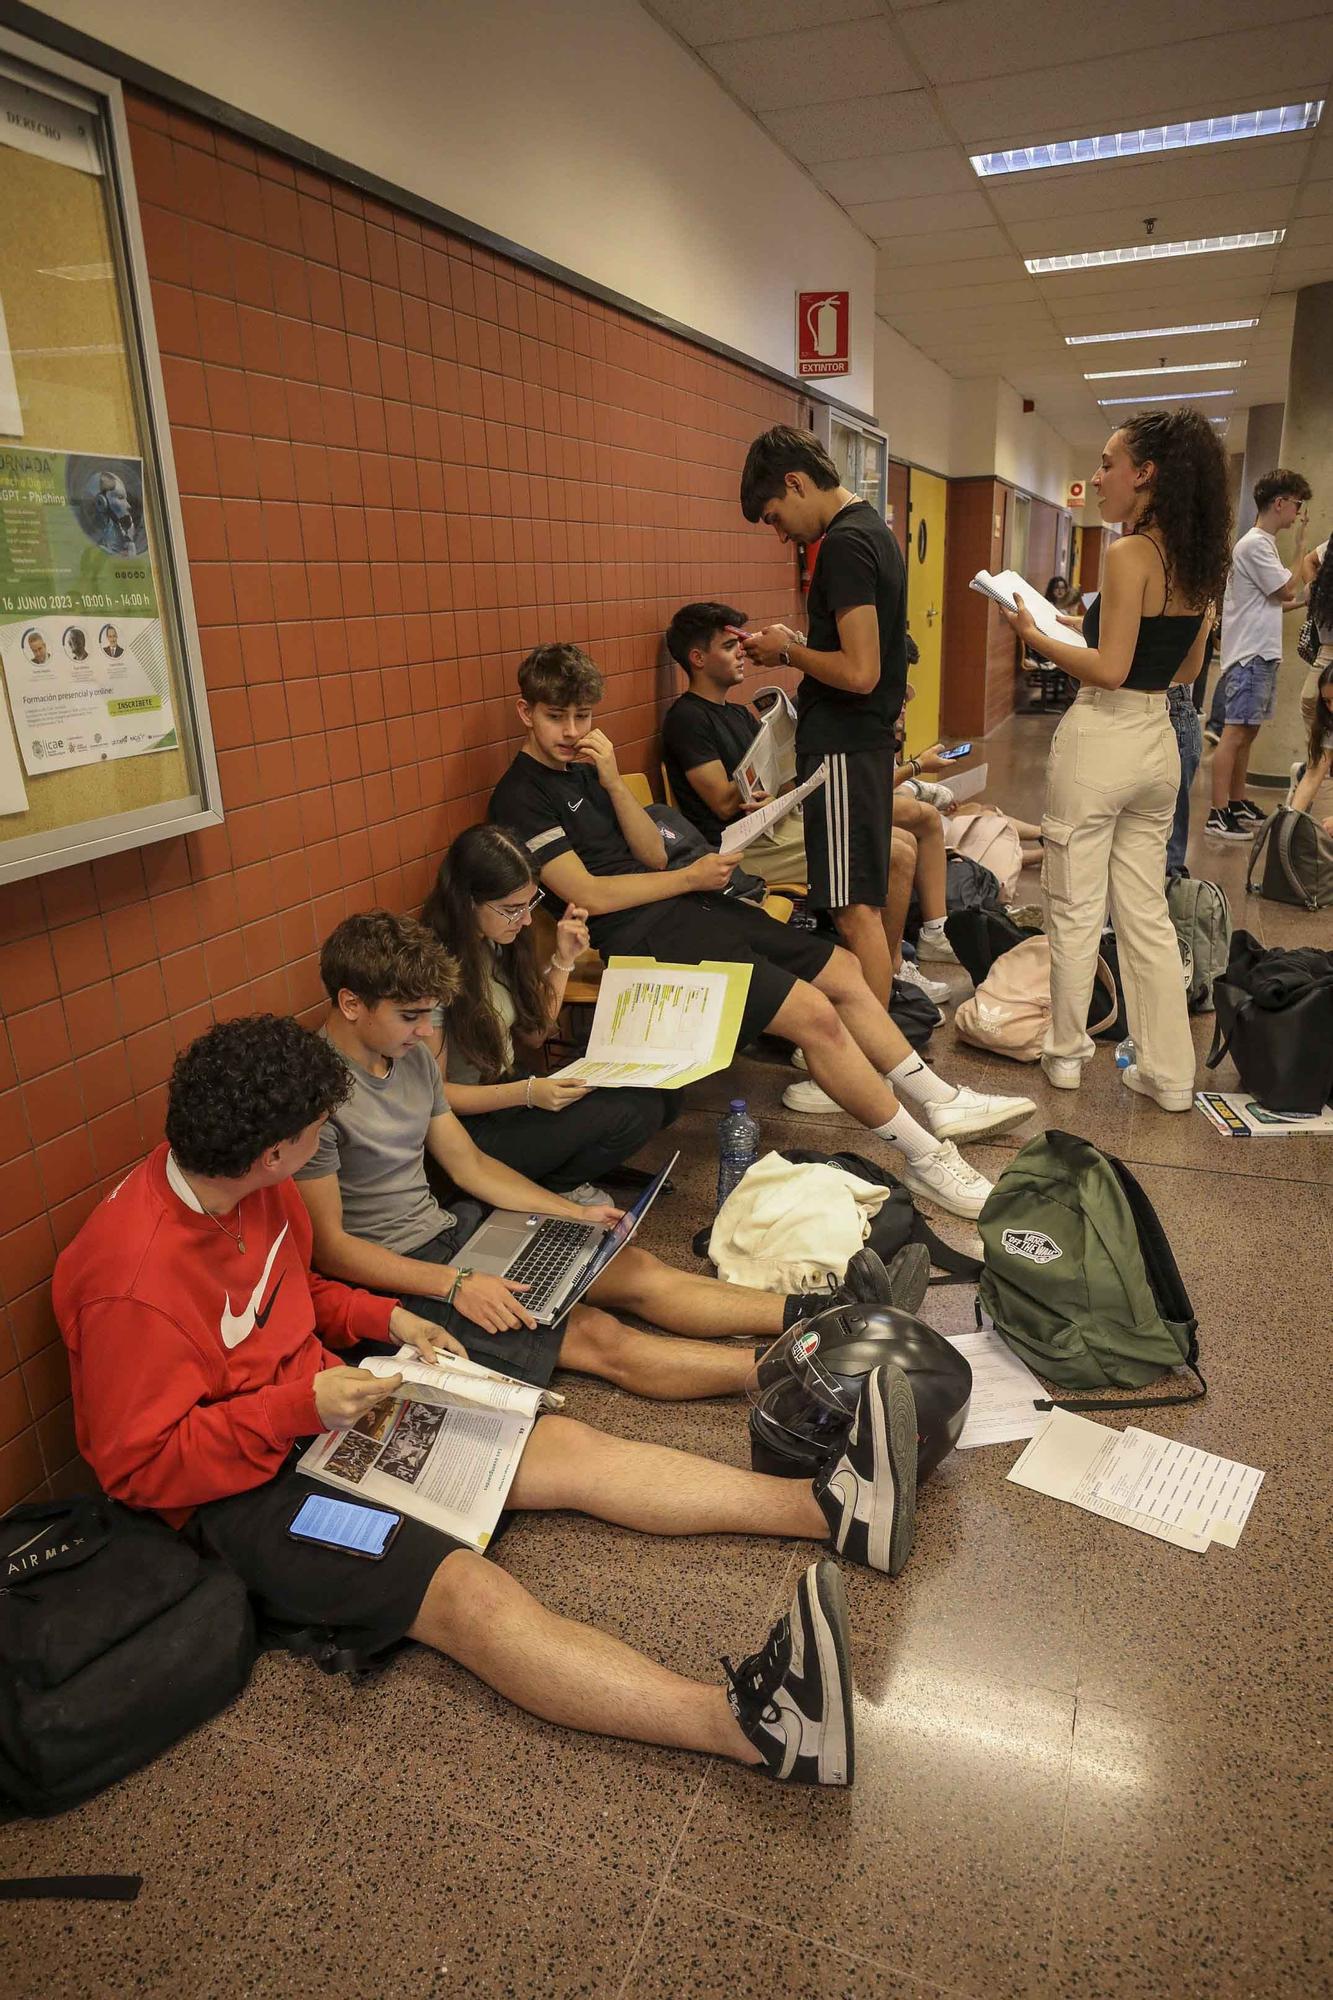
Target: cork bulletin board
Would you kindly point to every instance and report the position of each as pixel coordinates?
(104, 739)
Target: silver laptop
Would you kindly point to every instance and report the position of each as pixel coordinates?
(556, 1260)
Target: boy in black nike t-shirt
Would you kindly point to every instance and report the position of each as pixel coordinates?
(854, 668)
(594, 845)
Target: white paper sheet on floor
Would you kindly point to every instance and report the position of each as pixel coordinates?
(1004, 1392)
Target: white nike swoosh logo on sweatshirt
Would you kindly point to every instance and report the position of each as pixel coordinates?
(236, 1327)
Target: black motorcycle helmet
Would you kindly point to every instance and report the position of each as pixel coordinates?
(803, 1389)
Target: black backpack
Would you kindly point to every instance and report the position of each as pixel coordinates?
(116, 1638)
(914, 1013)
(684, 843)
(1275, 1021)
(968, 885)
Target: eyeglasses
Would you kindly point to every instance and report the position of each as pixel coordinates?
(508, 914)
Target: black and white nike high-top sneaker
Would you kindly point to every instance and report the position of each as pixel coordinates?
(793, 1699)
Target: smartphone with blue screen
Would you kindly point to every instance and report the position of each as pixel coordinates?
(343, 1524)
(959, 750)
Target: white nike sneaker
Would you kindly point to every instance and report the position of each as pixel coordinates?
(798, 1060)
(946, 1179)
(1146, 1086)
(1065, 1072)
(968, 1114)
(935, 949)
(808, 1097)
(912, 975)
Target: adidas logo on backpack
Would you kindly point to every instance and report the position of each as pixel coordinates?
(1079, 1278)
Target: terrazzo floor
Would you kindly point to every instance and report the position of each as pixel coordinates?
(1088, 1763)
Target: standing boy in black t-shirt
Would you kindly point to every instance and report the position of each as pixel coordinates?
(854, 665)
(705, 736)
(594, 845)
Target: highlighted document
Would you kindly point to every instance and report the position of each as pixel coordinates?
(660, 1026)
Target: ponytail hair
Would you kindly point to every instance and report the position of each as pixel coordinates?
(1188, 502)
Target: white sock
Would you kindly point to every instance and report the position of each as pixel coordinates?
(933, 927)
(916, 1080)
(903, 1132)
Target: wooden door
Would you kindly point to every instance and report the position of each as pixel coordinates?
(927, 499)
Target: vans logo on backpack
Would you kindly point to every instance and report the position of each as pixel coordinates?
(1030, 1243)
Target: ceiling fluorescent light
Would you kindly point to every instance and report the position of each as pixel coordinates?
(1177, 396)
(1176, 368)
(1160, 332)
(1151, 139)
(1139, 253)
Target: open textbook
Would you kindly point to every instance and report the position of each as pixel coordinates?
(770, 761)
(660, 1026)
(1008, 586)
(741, 832)
(444, 1446)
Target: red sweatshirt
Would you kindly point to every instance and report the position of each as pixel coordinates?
(193, 1362)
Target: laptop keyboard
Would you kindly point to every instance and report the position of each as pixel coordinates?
(544, 1263)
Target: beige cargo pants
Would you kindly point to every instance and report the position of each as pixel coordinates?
(1111, 788)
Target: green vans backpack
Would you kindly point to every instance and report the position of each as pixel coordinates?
(1079, 1278)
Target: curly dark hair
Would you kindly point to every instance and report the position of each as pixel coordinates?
(380, 956)
(484, 865)
(1188, 503)
(1321, 721)
(247, 1085)
(560, 676)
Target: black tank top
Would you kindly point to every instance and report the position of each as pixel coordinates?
(1161, 648)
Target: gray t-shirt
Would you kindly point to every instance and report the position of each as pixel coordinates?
(374, 1143)
(457, 1067)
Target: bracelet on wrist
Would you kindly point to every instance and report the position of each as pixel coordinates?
(558, 965)
(527, 1093)
(463, 1272)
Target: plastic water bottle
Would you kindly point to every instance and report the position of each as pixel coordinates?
(1124, 1054)
(737, 1147)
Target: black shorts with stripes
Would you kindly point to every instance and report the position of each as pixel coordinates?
(849, 827)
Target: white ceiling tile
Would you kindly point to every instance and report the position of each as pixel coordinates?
(893, 176)
(962, 258)
(900, 121)
(700, 21)
(1316, 201)
(1114, 229)
(1111, 94)
(813, 65)
(923, 213)
(966, 40)
(1209, 170)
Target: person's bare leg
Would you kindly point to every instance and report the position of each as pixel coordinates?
(653, 1364)
(874, 1031)
(861, 928)
(834, 1052)
(566, 1672)
(1229, 763)
(569, 1465)
(1240, 776)
(923, 822)
(902, 874)
(686, 1302)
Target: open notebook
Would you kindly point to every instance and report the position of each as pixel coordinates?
(1009, 585)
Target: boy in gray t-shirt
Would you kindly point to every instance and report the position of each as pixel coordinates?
(377, 1224)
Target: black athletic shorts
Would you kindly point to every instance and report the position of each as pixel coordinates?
(527, 1353)
(849, 828)
(366, 1606)
(693, 928)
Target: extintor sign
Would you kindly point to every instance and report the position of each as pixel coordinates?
(823, 323)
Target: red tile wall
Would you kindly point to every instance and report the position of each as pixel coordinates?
(403, 461)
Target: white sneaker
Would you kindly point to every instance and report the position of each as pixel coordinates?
(935, 948)
(912, 975)
(946, 1179)
(808, 1097)
(969, 1114)
(1065, 1072)
(1144, 1086)
(798, 1060)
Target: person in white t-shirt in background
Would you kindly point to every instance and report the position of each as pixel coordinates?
(1259, 590)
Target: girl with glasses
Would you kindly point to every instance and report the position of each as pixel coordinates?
(561, 1134)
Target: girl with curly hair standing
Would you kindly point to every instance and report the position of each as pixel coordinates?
(1114, 765)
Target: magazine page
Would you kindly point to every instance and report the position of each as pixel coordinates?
(456, 1379)
(770, 761)
(448, 1466)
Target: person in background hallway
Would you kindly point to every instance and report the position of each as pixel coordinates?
(1259, 590)
(1317, 574)
(1061, 593)
(561, 1134)
(1114, 769)
(1319, 745)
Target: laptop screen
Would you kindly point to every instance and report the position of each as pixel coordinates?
(616, 1238)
